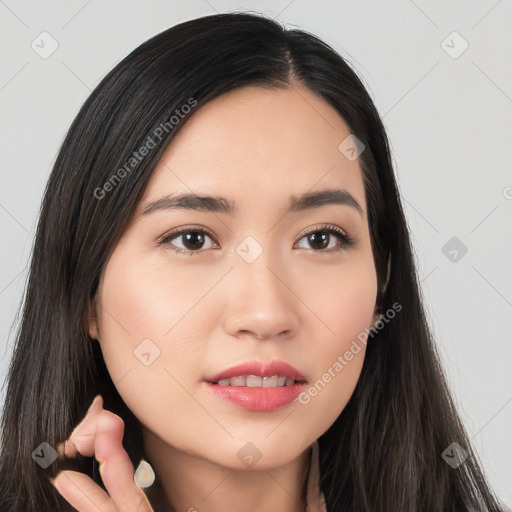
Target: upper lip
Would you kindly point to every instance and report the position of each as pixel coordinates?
(260, 369)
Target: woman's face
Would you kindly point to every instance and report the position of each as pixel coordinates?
(247, 285)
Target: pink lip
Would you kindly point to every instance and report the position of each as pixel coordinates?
(258, 399)
(269, 369)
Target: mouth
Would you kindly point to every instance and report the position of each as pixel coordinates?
(255, 381)
(258, 387)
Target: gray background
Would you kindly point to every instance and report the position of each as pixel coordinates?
(448, 115)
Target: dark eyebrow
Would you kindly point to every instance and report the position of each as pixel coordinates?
(307, 201)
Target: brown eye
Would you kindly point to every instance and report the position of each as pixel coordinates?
(192, 240)
(320, 239)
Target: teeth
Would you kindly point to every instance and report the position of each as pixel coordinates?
(254, 381)
(236, 381)
(269, 382)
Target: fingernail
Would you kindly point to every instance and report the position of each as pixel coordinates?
(97, 398)
(144, 475)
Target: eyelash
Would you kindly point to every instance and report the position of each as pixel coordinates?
(345, 240)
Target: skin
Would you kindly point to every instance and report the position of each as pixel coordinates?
(296, 302)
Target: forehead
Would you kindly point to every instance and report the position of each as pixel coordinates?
(256, 144)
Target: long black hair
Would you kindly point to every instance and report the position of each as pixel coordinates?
(384, 451)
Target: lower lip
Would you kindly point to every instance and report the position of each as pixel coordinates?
(258, 399)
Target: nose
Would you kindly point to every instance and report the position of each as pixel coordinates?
(261, 302)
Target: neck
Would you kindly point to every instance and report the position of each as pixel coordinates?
(188, 483)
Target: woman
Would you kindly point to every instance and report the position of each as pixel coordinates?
(288, 365)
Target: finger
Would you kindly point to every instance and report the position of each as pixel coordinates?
(116, 468)
(82, 492)
(82, 438)
(100, 434)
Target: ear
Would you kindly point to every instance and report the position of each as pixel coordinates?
(92, 320)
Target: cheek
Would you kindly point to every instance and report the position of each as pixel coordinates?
(146, 300)
(342, 298)
(345, 307)
(152, 323)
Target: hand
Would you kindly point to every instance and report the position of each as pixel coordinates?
(100, 434)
